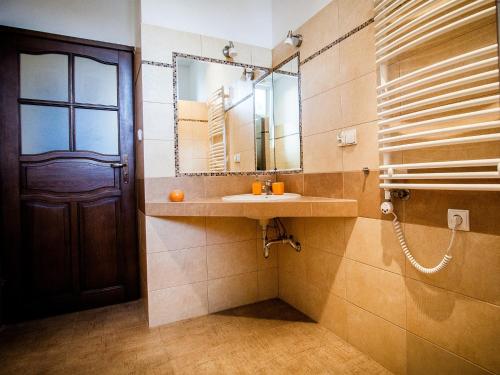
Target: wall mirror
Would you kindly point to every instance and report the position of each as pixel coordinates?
(235, 118)
(277, 119)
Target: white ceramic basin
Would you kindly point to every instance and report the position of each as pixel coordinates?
(260, 198)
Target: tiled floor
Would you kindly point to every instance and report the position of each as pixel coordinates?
(265, 338)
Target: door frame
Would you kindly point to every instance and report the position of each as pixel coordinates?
(10, 170)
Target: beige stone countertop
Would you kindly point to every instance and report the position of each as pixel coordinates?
(300, 207)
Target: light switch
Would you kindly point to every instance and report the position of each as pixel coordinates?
(347, 137)
(237, 158)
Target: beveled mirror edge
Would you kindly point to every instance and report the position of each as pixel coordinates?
(268, 71)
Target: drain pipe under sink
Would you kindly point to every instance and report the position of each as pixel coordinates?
(266, 245)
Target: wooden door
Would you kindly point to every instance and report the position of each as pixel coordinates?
(67, 174)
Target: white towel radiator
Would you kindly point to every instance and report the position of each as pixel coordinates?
(438, 105)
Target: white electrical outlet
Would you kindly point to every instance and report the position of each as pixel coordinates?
(464, 214)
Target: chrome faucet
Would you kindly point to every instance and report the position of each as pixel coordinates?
(267, 187)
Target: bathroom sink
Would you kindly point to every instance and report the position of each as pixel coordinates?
(260, 198)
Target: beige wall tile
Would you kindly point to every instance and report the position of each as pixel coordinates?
(321, 113)
(230, 229)
(289, 288)
(482, 205)
(294, 182)
(471, 252)
(281, 52)
(365, 153)
(381, 340)
(326, 234)
(292, 262)
(231, 259)
(262, 57)
(159, 158)
(427, 358)
(359, 100)
(353, 13)
(268, 283)
(177, 303)
(218, 186)
(189, 109)
(158, 43)
(320, 74)
(373, 242)
(163, 233)
(157, 84)
(460, 324)
(366, 190)
(173, 268)
(232, 291)
(321, 153)
(324, 185)
(312, 300)
(157, 189)
(357, 54)
(334, 315)
(320, 30)
(325, 271)
(158, 121)
(378, 291)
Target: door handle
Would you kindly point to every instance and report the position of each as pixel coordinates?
(118, 165)
(124, 166)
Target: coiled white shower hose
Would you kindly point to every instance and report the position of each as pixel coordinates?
(400, 235)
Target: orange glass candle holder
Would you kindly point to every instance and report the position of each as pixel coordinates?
(278, 188)
(257, 188)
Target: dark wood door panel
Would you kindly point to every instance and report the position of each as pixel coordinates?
(99, 244)
(46, 247)
(67, 217)
(69, 176)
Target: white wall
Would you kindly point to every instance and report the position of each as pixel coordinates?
(105, 20)
(291, 14)
(245, 21)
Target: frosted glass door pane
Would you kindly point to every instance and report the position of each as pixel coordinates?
(44, 76)
(44, 129)
(95, 83)
(96, 130)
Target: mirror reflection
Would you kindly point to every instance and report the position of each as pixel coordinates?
(234, 118)
(277, 119)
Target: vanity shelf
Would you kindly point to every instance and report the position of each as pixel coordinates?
(301, 207)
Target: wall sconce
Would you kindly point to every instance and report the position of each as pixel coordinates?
(293, 39)
(229, 51)
(248, 74)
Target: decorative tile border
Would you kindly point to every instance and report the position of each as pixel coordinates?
(267, 72)
(155, 63)
(284, 72)
(337, 41)
(217, 61)
(192, 120)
